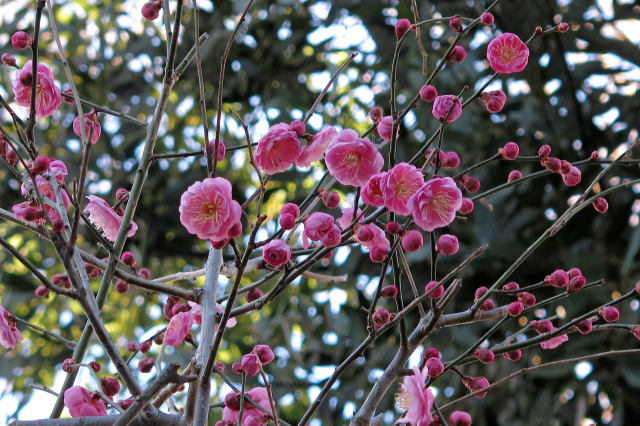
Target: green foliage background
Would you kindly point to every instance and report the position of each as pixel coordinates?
(117, 59)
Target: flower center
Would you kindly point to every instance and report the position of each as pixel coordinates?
(403, 401)
(508, 54)
(352, 160)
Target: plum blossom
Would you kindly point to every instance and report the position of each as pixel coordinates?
(91, 126)
(314, 150)
(372, 192)
(434, 205)
(415, 399)
(321, 227)
(399, 184)
(347, 217)
(507, 54)
(103, 217)
(9, 333)
(494, 100)
(178, 328)
(352, 160)
(208, 211)
(278, 149)
(276, 253)
(47, 93)
(196, 310)
(445, 103)
(250, 414)
(82, 403)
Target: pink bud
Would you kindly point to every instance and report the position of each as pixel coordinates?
(462, 418)
(635, 330)
(467, 205)
(515, 308)
(291, 209)
(487, 18)
(236, 367)
(9, 60)
(365, 234)
(394, 228)
(565, 167)
(511, 286)
(21, 40)
(584, 326)
(41, 291)
(485, 356)
(412, 241)
(122, 194)
(514, 175)
(331, 199)
(509, 151)
(91, 270)
(494, 100)
(526, 298)
(538, 30)
(298, 127)
(68, 100)
(376, 114)
(385, 128)
(601, 205)
(389, 291)
(129, 259)
(470, 183)
(109, 386)
(513, 355)
(574, 272)
(480, 291)
(450, 160)
(380, 317)
(144, 273)
(254, 294)
(487, 305)
(287, 221)
(276, 253)
(437, 294)
(435, 367)
(428, 93)
(250, 364)
(220, 365)
(609, 313)
(122, 287)
(95, 366)
(594, 156)
(61, 280)
(552, 164)
(265, 354)
(378, 254)
(476, 383)
(145, 365)
(573, 177)
(447, 244)
(557, 278)
(544, 151)
(132, 346)
(151, 10)
(562, 27)
(576, 283)
(402, 26)
(430, 353)
(126, 403)
(69, 365)
(11, 157)
(541, 326)
(456, 24)
(57, 225)
(144, 346)
(457, 54)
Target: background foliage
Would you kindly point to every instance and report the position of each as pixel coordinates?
(578, 94)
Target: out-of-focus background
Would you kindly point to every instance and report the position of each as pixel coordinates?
(578, 94)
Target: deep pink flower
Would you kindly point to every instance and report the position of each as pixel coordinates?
(278, 149)
(428, 93)
(445, 103)
(90, 123)
(276, 253)
(435, 367)
(9, 333)
(514, 175)
(21, 40)
(373, 237)
(399, 184)
(402, 26)
(105, 219)
(347, 217)
(434, 205)
(151, 10)
(461, 418)
(509, 151)
(437, 293)
(353, 160)
(375, 114)
(476, 383)
(314, 150)
(467, 205)
(321, 227)
(415, 399)
(46, 189)
(412, 241)
(371, 193)
(208, 211)
(600, 205)
(265, 354)
(573, 177)
(507, 54)
(47, 93)
(250, 413)
(178, 328)
(487, 18)
(385, 127)
(494, 100)
(82, 403)
(250, 364)
(447, 244)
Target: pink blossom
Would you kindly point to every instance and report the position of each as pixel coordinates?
(231, 410)
(46, 189)
(462, 418)
(494, 100)
(415, 399)
(445, 103)
(428, 93)
(352, 160)
(399, 184)
(475, 384)
(412, 241)
(82, 403)
(276, 253)
(376, 237)
(58, 170)
(375, 114)
(385, 127)
(507, 54)
(321, 227)
(347, 217)
(178, 329)
(487, 18)
(372, 192)
(314, 150)
(208, 211)
(222, 149)
(90, 124)
(250, 364)
(573, 177)
(47, 93)
(402, 26)
(434, 205)
(9, 333)
(554, 342)
(105, 219)
(196, 310)
(278, 149)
